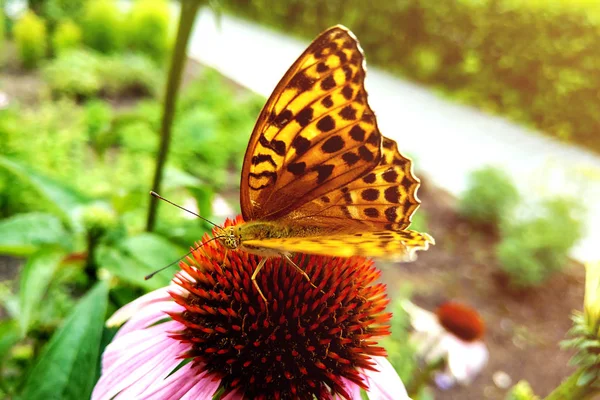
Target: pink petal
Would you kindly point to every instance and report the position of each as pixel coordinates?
(384, 384)
(466, 360)
(147, 316)
(128, 358)
(130, 309)
(352, 388)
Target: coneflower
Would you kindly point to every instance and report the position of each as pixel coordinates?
(453, 335)
(210, 333)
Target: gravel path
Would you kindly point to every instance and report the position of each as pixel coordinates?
(447, 140)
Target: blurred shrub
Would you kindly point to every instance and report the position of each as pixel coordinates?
(537, 62)
(148, 28)
(74, 74)
(66, 36)
(522, 391)
(30, 37)
(490, 197)
(531, 250)
(57, 11)
(84, 73)
(103, 26)
(98, 120)
(2, 35)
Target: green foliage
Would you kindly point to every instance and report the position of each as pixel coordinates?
(84, 73)
(68, 367)
(30, 38)
(2, 35)
(102, 24)
(521, 391)
(490, 197)
(66, 36)
(532, 249)
(58, 11)
(24, 233)
(537, 62)
(98, 119)
(148, 28)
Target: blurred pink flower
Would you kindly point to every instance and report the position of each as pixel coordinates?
(210, 333)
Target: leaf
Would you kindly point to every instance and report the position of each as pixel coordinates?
(23, 234)
(35, 279)
(128, 269)
(67, 368)
(64, 199)
(153, 250)
(9, 335)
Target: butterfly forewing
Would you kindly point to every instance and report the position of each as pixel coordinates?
(316, 133)
(384, 198)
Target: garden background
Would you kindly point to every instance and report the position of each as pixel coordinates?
(509, 198)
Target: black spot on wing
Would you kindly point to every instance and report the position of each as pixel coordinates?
(391, 214)
(305, 116)
(283, 118)
(391, 194)
(348, 113)
(323, 172)
(365, 153)
(350, 158)
(371, 212)
(327, 102)
(333, 144)
(260, 158)
(302, 82)
(370, 194)
(278, 146)
(322, 67)
(370, 178)
(347, 92)
(357, 133)
(297, 168)
(390, 175)
(301, 145)
(326, 124)
(328, 83)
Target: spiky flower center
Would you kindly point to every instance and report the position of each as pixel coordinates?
(461, 320)
(299, 345)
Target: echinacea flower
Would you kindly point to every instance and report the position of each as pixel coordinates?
(453, 334)
(210, 333)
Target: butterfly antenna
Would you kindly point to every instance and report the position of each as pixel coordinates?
(158, 196)
(179, 259)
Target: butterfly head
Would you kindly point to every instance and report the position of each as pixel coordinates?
(230, 238)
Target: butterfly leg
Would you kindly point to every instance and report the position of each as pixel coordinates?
(253, 278)
(298, 268)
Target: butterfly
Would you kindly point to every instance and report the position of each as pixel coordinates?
(318, 177)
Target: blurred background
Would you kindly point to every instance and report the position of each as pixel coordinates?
(496, 101)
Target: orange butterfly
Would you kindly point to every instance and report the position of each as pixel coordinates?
(318, 176)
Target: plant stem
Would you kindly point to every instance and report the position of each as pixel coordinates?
(187, 16)
(569, 389)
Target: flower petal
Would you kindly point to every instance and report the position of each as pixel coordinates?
(126, 360)
(466, 360)
(384, 384)
(127, 311)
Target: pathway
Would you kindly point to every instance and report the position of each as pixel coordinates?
(447, 140)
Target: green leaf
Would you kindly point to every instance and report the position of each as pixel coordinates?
(9, 335)
(67, 368)
(129, 269)
(153, 250)
(23, 234)
(64, 199)
(35, 279)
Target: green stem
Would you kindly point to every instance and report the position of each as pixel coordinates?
(187, 16)
(569, 389)
(422, 378)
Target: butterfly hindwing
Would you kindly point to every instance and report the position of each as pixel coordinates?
(399, 245)
(315, 134)
(384, 198)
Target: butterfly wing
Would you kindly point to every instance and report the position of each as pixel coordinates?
(315, 134)
(399, 245)
(383, 199)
